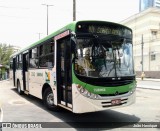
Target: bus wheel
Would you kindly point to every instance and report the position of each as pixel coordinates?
(19, 88)
(48, 99)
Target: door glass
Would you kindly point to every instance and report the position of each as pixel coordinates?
(64, 73)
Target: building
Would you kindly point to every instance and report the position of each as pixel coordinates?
(146, 30)
(144, 4)
(157, 3)
(16, 48)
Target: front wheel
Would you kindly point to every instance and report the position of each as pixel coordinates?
(48, 99)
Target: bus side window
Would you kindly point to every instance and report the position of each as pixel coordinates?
(17, 62)
(27, 60)
(46, 56)
(33, 55)
(11, 64)
(41, 50)
(20, 62)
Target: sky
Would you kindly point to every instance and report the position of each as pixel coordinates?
(23, 21)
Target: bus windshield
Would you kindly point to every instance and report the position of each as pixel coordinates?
(102, 55)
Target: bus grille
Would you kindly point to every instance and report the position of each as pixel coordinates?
(112, 83)
(103, 95)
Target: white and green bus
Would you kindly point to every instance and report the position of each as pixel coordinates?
(86, 66)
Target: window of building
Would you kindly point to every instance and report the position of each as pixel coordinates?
(154, 35)
(153, 57)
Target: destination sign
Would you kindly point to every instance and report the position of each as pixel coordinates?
(105, 30)
(108, 28)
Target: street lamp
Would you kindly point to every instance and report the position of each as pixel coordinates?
(39, 35)
(142, 46)
(74, 10)
(47, 15)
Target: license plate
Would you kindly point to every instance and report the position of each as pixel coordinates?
(116, 102)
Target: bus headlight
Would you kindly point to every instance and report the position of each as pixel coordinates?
(82, 90)
(89, 94)
(86, 93)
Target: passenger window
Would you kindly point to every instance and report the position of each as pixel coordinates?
(46, 58)
(33, 61)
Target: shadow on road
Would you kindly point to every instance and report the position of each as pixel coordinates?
(103, 119)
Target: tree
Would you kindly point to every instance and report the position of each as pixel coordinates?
(5, 52)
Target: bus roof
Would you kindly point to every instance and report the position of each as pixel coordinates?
(71, 26)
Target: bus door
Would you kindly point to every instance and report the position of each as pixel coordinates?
(64, 70)
(25, 71)
(14, 71)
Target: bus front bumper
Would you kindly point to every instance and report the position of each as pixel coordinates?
(82, 104)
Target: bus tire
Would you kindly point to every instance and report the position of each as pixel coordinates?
(19, 88)
(48, 99)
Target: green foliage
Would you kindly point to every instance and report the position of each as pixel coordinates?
(5, 52)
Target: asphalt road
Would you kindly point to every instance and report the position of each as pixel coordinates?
(25, 108)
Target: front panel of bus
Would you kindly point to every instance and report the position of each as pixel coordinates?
(103, 68)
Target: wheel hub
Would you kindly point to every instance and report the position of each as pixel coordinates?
(50, 99)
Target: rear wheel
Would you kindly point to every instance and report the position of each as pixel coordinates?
(19, 88)
(48, 99)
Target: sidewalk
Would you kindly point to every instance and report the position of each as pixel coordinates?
(149, 79)
(141, 84)
(148, 87)
(4, 80)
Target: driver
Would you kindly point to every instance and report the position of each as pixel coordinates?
(87, 60)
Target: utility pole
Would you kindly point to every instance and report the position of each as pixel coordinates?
(47, 15)
(142, 44)
(74, 10)
(39, 35)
